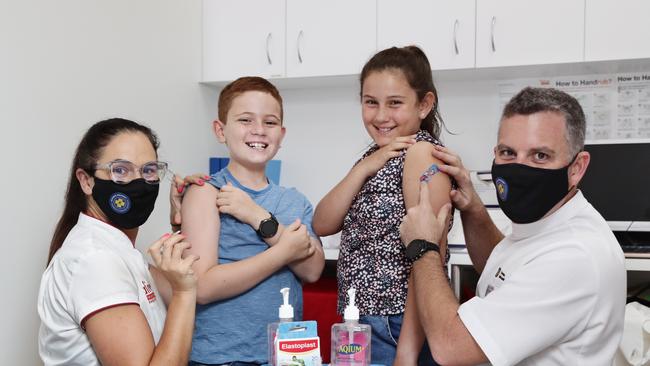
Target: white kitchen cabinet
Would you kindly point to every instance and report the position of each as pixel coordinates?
(527, 32)
(243, 37)
(617, 29)
(334, 37)
(444, 30)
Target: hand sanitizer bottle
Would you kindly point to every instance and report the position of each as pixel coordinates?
(351, 340)
(285, 313)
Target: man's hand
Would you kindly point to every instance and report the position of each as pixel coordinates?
(421, 222)
(237, 203)
(464, 196)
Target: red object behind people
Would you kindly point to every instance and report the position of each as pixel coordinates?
(319, 303)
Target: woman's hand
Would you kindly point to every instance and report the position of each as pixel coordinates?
(237, 203)
(176, 191)
(378, 159)
(167, 254)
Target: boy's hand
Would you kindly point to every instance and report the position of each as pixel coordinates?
(296, 242)
(237, 203)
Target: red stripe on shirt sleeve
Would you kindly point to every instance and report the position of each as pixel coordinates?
(83, 321)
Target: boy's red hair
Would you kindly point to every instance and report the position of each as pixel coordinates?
(242, 85)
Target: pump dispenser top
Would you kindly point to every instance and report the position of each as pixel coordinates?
(286, 310)
(351, 312)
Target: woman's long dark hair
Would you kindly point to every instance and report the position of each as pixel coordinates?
(88, 152)
(413, 63)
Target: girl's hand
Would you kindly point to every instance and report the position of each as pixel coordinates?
(378, 159)
(176, 191)
(167, 254)
(296, 241)
(237, 203)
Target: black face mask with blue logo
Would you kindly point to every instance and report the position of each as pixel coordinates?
(526, 193)
(126, 206)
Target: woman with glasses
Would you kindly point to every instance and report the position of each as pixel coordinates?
(97, 301)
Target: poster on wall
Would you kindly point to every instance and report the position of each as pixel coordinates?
(616, 106)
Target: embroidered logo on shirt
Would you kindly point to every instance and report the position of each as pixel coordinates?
(148, 290)
(500, 274)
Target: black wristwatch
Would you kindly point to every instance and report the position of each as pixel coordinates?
(268, 227)
(418, 247)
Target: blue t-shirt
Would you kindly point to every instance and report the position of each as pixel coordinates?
(234, 329)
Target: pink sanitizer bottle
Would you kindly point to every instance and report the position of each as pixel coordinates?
(351, 340)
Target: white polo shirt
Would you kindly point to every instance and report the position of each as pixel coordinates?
(96, 268)
(552, 293)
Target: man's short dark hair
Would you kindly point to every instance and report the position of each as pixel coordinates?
(533, 100)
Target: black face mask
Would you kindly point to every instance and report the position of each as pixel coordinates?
(525, 193)
(126, 206)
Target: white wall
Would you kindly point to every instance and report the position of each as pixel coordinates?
(63, 66)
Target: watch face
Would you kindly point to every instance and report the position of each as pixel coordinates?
(268, 228)
(415, 249)
(418, 247)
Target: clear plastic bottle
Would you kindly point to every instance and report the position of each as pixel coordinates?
(285, 313)
(351, 340)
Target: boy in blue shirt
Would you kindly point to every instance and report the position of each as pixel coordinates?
(253, 236)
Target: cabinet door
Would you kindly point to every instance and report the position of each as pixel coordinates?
(334, 37)
(617, 29)
(519, 32)
(443, 29)
(243, 37)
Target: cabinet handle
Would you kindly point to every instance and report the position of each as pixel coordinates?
(298, 46)
(456, 38)
(494, 22)
(268, 54)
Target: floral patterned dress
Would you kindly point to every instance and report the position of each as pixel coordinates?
(372, 257)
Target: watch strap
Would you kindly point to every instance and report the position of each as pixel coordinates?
(422, 247)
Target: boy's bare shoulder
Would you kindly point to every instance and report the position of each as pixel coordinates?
(201, 192)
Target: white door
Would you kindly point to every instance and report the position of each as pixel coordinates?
(443, 29)
(333, 37)
(527, 32)
(243, 38)
(617, 29)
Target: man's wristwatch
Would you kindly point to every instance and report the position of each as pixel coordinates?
(418, 247)
(268, 227)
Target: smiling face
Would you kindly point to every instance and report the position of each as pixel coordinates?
(253, 129)
(390, 107)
